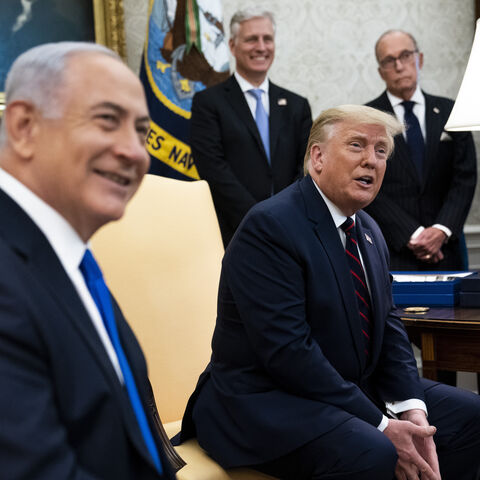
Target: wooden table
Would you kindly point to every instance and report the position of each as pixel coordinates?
(449, 338)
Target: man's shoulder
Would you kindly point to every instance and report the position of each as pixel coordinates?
(438, 100)
(214, 90)
(283, 208)
(276, 90)
(381, 102)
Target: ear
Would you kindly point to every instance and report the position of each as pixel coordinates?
(420, 60)
(317, 157)
(231, 44)
(380, 72)
(21, 123)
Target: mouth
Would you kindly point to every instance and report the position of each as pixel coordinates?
(365, 180)
(115, 177)
(260, 58)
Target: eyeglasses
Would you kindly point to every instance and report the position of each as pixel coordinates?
(406, 56)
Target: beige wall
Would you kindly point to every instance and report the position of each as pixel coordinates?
(325, 47)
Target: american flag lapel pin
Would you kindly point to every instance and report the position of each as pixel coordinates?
(368, 238)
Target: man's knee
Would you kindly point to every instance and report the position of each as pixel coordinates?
(381, 458)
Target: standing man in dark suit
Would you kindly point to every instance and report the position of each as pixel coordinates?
(74, 387)
(248, 136)
(309, 357)
(431, 177)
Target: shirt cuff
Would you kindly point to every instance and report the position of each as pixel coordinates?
(417, 232)
(394, 408)
(444, 229)
(383, 424)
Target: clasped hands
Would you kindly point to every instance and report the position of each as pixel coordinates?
(412, 437)
(427, 246)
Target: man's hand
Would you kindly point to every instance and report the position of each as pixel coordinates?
(412, 438)
(425, 446)
(427, 246)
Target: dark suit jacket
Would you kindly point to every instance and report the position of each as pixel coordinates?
(229, 153)
(63, 411)
(288, 363)
(443, 196)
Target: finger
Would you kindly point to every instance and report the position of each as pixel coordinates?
(406, 470)
(426, 471)
(423, 432)
(400, 473)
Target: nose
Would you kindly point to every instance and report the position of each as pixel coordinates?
(398, 64)
(370, 158)
(261, 44)
(130, 146)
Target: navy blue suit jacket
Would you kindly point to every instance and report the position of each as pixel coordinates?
(287, 362)
(63, 411)
(229, 152)
(443, 194)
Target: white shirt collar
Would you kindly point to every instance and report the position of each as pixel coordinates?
(64, 240)
(417, 97)
(337, 215)
(246, 85)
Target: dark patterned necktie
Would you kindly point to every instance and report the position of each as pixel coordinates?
(359, 282)
(415, 142)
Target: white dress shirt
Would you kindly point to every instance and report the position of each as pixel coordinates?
(251, 100)
(419, 111)
(68, 246)
(393, 408)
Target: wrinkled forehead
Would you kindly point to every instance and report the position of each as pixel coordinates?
(366, 130)
(393, 43)
(93, 77)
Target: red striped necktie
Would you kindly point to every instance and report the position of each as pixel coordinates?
(359, 282)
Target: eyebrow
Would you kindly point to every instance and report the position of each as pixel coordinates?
(120, 110)
(363, 136)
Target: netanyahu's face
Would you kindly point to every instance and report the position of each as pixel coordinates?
(350, 165)
(89, 162)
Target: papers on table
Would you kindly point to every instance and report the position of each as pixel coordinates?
(430, 277)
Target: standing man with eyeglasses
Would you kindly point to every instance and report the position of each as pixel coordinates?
(431, 177)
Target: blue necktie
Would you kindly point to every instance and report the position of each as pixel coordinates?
(359, 282)
(261, 118)
(415, 141)
(100, 294)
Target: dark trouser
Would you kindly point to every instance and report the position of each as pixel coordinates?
(357, 451)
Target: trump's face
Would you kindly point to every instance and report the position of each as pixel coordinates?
(90, 161)
(350, 165)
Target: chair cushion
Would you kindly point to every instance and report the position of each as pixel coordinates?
(201, 467)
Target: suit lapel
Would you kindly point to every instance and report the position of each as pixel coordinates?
(402, 153)
(236, 99)
(370, 258)
(278, 110)
(25, 238)
(434, 128)
(325, 230)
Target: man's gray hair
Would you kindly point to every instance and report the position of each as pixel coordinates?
(358, 114)
(388, 32)
(37, 76)
(241, 16)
